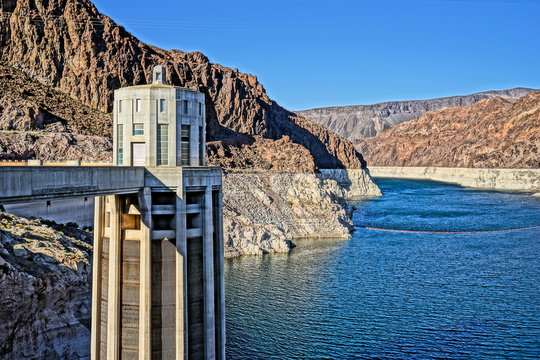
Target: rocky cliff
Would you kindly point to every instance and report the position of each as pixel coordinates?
(69, 46)
(44, 290)
(494, 133)
(265, 212)
(361, 121)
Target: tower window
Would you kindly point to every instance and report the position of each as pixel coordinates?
(119, 105)
(138, 105)
(200, 109)
(185, 106)
(138, 129)
(161, 105)
(184, 157)
(120, 134)
(162, 145)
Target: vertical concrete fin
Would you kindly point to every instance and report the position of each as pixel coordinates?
(113, 322)
(181, 250)
(145, 309)
(208, 271)
(99, 213)
(220, 313)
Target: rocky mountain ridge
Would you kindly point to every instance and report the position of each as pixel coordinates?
(361, 121)
(493, 133)
(69, 46)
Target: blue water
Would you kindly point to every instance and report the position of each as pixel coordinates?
(387, 295)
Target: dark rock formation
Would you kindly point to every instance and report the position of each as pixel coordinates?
(493, 133)
(68, 45)
(361, 121)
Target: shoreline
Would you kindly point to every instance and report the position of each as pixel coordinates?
(527, 180)
(264, 212)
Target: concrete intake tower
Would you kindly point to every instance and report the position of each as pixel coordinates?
(158, 290)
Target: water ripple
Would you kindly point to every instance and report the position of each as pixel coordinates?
(398, 296)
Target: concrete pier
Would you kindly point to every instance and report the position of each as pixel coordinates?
(158, 260)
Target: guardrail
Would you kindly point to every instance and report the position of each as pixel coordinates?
(53, 163)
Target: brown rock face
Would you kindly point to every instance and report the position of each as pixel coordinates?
(260, 154)
(54, 146)
(39, 122)
(45, 286)
(70, 46)
(28, 105)
(494, 133)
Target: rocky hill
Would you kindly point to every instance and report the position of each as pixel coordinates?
(38, 122)
(361, 121)
(493, 133)
(44, 290)
(69, 46)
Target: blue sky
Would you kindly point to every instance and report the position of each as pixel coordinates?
(324, 53)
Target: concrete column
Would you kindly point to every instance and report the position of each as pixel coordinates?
(145, 308)
(208, 276)
(99, 214)
(113, 319)
(220, 348)
(181, 271)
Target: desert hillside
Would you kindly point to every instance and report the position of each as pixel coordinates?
(38, 122)
(493, 133)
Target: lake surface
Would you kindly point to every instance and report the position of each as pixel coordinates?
(398, 295)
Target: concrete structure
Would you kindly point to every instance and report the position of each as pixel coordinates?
(158, 254)
(158, 290)
(158, 125)
(158, 269)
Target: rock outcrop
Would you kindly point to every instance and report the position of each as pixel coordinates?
(361, 121)
(44, 290)
(37, 122)
(494, 133)
(265, 212)
(69, 46)
(248, 153)
(22, 145)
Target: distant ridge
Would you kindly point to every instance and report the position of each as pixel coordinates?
(361, 121)
(493, 133)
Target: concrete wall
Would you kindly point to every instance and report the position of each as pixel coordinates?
(497, 179)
